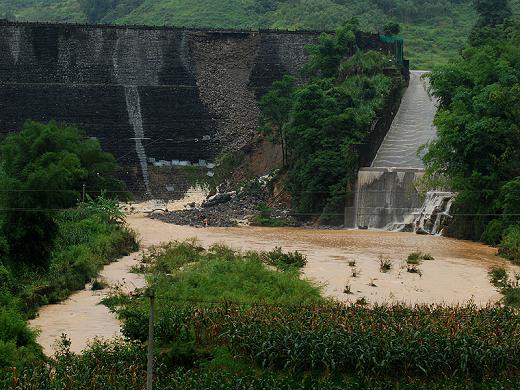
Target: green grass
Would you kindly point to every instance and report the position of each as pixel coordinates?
(85, 244)
(185, 272)
(415, 258)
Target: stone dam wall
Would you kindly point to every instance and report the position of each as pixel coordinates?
(149, 95)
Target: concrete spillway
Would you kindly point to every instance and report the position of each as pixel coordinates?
(411, 128)
(386, 194)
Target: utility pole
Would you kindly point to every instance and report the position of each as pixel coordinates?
(83, 195)
(149, 366)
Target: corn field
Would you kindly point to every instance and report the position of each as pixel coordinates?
(392, 341)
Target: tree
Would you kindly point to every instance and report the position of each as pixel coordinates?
(492, 12)
(95, 10)
(478, 144)
(321, 121)
(276, 107)
(327, 55)
(391, 29)
(42, 169)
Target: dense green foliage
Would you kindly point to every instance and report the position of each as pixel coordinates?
(86, 241)
(122, 365)
(477, 152)
(320, 122)
(48, 248)
(434, 30)
(42, 170)
(183, 273)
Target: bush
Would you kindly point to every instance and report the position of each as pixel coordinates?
(511, 296)
(494, 231)
(18, 345)
(265, 218)
(498, 277)
(185, 274)
(415, 258)
(385, 264)
(86, 241)
(510, 245)
(283, 260)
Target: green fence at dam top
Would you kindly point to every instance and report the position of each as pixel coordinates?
(399, 46)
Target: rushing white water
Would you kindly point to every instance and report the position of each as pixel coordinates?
(386, 193)
(133, 105)
(411, 128)
(435, 212)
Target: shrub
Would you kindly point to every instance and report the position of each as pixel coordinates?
(385, 264)
(86, 241)
(510, 245)
(494, 232)
(511, 296)
(282, 260)
(498, 277)
(18, 345)
(99, 284)
(264, 218)
(416, 257)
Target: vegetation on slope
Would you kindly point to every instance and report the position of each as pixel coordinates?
(320, 123)
(477, 152)
(48, 247)
(434, 31)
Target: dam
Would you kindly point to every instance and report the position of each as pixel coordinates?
(386, 196)
(154, 97)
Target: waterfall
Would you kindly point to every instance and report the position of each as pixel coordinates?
(435, 213)
(133, 106)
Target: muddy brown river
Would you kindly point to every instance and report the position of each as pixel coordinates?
(457, 275)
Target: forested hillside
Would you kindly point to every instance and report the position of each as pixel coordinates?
(434, 30)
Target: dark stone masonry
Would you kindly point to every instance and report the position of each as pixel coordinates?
(146, 93)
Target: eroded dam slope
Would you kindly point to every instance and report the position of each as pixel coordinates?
(150, 95)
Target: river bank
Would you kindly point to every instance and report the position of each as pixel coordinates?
(457, 275)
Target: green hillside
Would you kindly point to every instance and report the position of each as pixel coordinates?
(433, 30)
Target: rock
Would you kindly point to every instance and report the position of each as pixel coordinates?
(218, 199)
